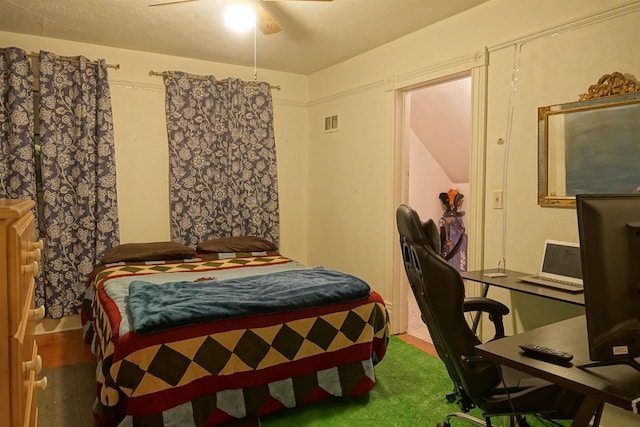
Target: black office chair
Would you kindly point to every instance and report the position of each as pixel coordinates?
(439, 291)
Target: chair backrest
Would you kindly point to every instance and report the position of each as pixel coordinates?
(439, 292)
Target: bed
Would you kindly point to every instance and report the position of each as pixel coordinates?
(197, 340)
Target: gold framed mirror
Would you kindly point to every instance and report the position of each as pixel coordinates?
(591, 146)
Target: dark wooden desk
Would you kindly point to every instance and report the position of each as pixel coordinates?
(618, 385)
(511, 282)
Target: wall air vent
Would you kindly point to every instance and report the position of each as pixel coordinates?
(331, 124)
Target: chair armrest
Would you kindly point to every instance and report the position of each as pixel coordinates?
(476, 363)
(494, 308)
(485, 305)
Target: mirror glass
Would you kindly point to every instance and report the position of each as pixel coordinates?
(588, 147)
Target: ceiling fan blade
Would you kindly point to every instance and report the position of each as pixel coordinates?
(171, 2)
(264, 21)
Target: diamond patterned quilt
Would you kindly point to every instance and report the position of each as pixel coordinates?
(209, 373)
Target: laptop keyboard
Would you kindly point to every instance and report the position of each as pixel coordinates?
(561, 283)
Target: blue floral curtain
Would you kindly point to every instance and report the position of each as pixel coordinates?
(222, 160)
(78, 177)
(17, 160)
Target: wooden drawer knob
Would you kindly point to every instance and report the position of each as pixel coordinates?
(36, 254)
(33, 365)
(31, 255)
(38, 313)
(42, 384)
(39, 244)
(33, 268)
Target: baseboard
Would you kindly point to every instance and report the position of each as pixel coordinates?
(49, 326)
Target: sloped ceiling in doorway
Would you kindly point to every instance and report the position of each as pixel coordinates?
(441, 119)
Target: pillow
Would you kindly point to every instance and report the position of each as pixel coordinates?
(155, 251)
(236, 244)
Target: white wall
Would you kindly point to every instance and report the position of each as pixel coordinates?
(141, 139)
(427, 180)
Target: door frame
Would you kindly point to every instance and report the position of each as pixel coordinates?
(474, 66)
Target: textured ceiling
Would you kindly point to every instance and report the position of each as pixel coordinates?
(315, 34)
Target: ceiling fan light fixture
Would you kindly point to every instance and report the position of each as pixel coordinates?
(240, 18)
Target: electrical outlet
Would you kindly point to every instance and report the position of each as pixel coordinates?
(497, 199)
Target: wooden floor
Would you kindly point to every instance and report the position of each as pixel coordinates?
(63, 348)
(418, 343)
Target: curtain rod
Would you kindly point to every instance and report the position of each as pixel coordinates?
(203, 78)
(58, 58)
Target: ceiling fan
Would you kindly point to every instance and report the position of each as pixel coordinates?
(264, 21)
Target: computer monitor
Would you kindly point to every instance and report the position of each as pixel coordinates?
(609, 227)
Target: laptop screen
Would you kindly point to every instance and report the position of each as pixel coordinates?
(562, 260)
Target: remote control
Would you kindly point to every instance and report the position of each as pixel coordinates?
(550, 354)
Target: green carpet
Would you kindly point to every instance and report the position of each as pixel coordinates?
(410, 391)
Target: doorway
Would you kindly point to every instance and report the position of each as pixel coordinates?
(437, 138)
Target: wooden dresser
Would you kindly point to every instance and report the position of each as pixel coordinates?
(20, 363)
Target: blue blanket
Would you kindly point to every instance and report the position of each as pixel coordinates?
(156, 307)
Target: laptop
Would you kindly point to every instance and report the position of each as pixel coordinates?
(560, 268)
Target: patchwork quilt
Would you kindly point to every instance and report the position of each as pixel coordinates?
(212, 371)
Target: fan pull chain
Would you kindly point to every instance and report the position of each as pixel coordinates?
(255, 55)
